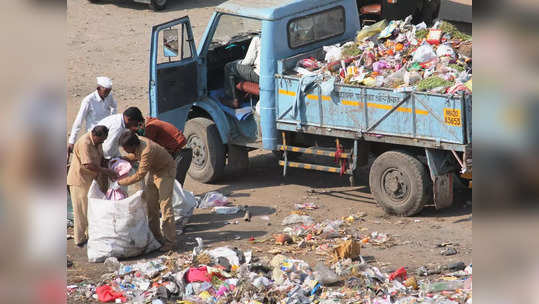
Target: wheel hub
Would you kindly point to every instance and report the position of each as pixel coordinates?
(199, 152)
(395, 184)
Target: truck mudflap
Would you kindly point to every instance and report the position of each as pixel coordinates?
(443, 191)
(441, 168)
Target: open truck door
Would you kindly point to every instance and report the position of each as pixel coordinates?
(174, 70)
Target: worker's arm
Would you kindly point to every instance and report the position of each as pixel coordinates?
(252, 51)
(90, 163)
(98, 169)
(77, 124)
(113, 106)
(130, 157)
(143, 168)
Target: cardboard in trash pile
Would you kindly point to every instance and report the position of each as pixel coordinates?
(349, 249)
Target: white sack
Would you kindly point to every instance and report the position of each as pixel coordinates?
(117, 228)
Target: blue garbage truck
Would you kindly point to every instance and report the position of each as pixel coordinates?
(421, 141)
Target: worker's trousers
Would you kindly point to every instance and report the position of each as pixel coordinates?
(79, 200)
(158, 195)
(183, 160)
(235, 71)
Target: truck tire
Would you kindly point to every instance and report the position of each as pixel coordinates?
(208, 150)
(238, 157)
(158, 5)
(399, 183)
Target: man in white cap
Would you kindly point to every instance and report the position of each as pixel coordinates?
(94, 107)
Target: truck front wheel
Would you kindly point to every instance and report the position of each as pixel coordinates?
(399, 183)
(158, 5)
(208, 150)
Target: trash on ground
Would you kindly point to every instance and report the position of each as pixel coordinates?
(213, 199)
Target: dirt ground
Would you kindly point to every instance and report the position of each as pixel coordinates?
(113, 37)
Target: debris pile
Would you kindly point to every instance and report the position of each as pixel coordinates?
(232, 275)
(399, 56)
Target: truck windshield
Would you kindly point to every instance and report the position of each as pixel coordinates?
(316, 27)
(231, 27)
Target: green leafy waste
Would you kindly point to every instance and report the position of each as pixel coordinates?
(351, 51)
(447, 27)
(432, 82)
(457, 67)
(421, 34)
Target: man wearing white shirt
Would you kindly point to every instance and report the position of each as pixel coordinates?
(246, 69)
(94, 107)
(130, 119)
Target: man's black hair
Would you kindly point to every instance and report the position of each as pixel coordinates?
(133, 113)
(100, 131)
(129, 139)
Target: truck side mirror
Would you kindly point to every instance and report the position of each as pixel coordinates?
(170, 42)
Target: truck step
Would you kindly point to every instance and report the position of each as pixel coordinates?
(311, 166)
(313, 151)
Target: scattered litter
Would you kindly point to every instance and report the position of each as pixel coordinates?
(306, 206)
(226, 210)
(295, 219)
(449, 251)
(213, 199)
(379, 238)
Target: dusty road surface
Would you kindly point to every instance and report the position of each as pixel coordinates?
(112, 38)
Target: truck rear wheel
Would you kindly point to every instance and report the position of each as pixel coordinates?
(399, 183)
(158, 5)
(208, 150)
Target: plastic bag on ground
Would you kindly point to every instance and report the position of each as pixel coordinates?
(183, 202)
(119, 229)
(226, 210)
(324, 275)
(225, 252)
(213, 199)
(295, 219)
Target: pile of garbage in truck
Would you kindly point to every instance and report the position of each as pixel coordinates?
(400, 56)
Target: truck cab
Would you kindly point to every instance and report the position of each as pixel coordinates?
(185, 80)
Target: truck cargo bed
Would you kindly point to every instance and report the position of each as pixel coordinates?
(374, 114)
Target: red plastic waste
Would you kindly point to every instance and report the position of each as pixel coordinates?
(399, 273)
(105, 294)
(199, 274)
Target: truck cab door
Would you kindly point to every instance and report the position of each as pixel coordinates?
(174, 70)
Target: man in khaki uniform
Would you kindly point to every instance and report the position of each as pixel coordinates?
(86, 165)
(156, 161)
